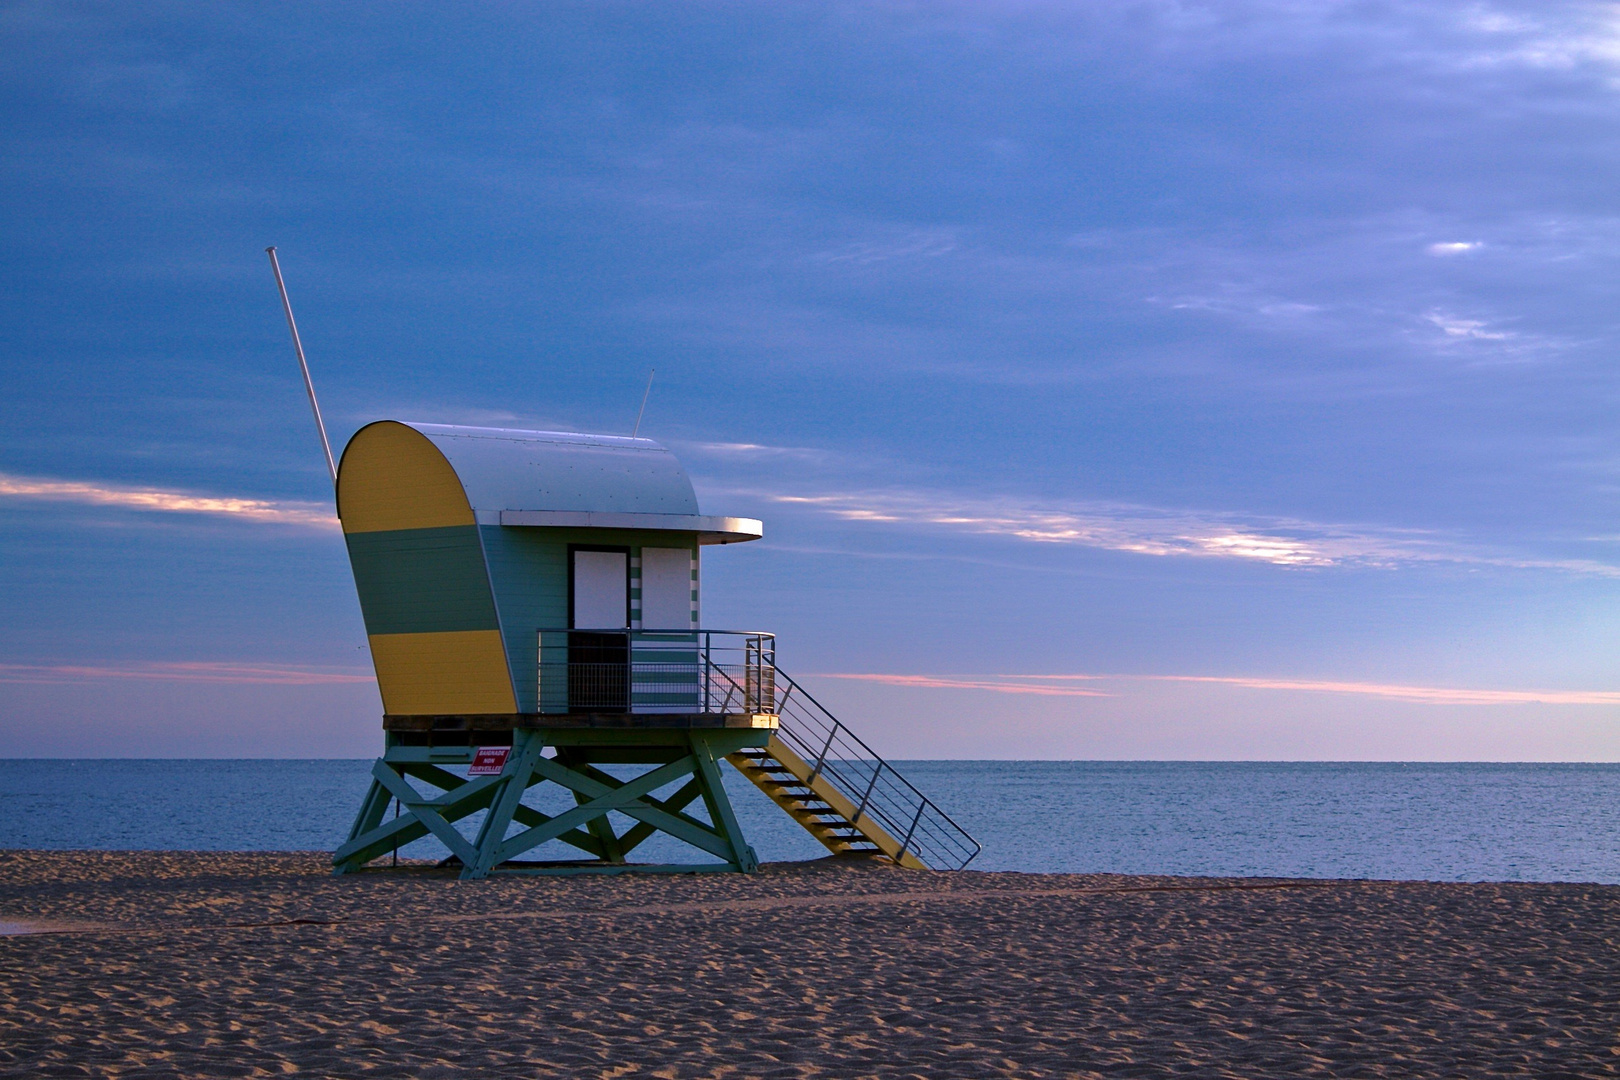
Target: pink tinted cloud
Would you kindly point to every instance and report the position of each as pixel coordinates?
(1051, 685)
(194, 671)
(938, 682)
(1436, 695)
(308, 515)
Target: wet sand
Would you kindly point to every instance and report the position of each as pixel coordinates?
(196, 964)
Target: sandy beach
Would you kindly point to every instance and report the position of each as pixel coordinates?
(199, 964)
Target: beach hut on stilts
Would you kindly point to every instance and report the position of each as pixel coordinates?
(533, 604)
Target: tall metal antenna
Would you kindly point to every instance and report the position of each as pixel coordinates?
(643, 409)
(303, 365)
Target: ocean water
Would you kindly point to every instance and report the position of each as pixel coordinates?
(1419, 821)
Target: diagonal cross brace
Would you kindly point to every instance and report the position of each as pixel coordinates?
(514, 780)
(528, 815)
(602, 799)
(370, 836)
(674, 804)
(427, 810)
(626, 798)
(651, 811)
(467, 797)
(523, 815)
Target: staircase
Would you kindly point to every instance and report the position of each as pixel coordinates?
(844, 795)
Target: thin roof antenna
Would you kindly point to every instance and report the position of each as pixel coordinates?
(303, 365)
(643, 409)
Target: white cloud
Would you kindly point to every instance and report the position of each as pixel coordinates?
(1467, 329)
(1454, 248)
(305, 514)
(1144, 530)
(1116, 527)
(757, 451)
(1556, 37)
(1242, 301)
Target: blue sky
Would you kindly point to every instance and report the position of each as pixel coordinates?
(1115, 380)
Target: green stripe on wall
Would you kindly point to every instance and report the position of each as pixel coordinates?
(421, 581)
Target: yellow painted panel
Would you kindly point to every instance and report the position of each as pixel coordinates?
(393, 477)
(459, 672)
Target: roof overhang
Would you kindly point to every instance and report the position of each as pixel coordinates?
(710, 529)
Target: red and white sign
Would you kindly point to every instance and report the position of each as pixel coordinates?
(489, 761)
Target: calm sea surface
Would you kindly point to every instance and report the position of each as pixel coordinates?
(1446, 822)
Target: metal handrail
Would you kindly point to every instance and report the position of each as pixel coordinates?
(875, 787)
(581, 669)
(664, 630)
(691, 670)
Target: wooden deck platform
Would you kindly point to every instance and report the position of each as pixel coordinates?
(496, 728)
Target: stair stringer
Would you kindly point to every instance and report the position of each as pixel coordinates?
(824, 790)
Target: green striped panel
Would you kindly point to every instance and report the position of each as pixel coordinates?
(421, 581)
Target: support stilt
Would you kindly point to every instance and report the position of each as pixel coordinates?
(692, 755)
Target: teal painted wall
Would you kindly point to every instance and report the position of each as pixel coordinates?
(418, 581)
(528, 568)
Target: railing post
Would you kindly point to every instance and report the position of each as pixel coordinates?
(708, 667)
(822, 757)
(901, 854)
(750, 674)
(861, 809)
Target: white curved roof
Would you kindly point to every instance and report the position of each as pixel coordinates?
(561, 478)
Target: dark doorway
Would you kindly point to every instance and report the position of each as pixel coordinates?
(598, 650)
(598, 672)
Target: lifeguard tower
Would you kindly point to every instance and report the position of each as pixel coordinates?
(532, 601)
